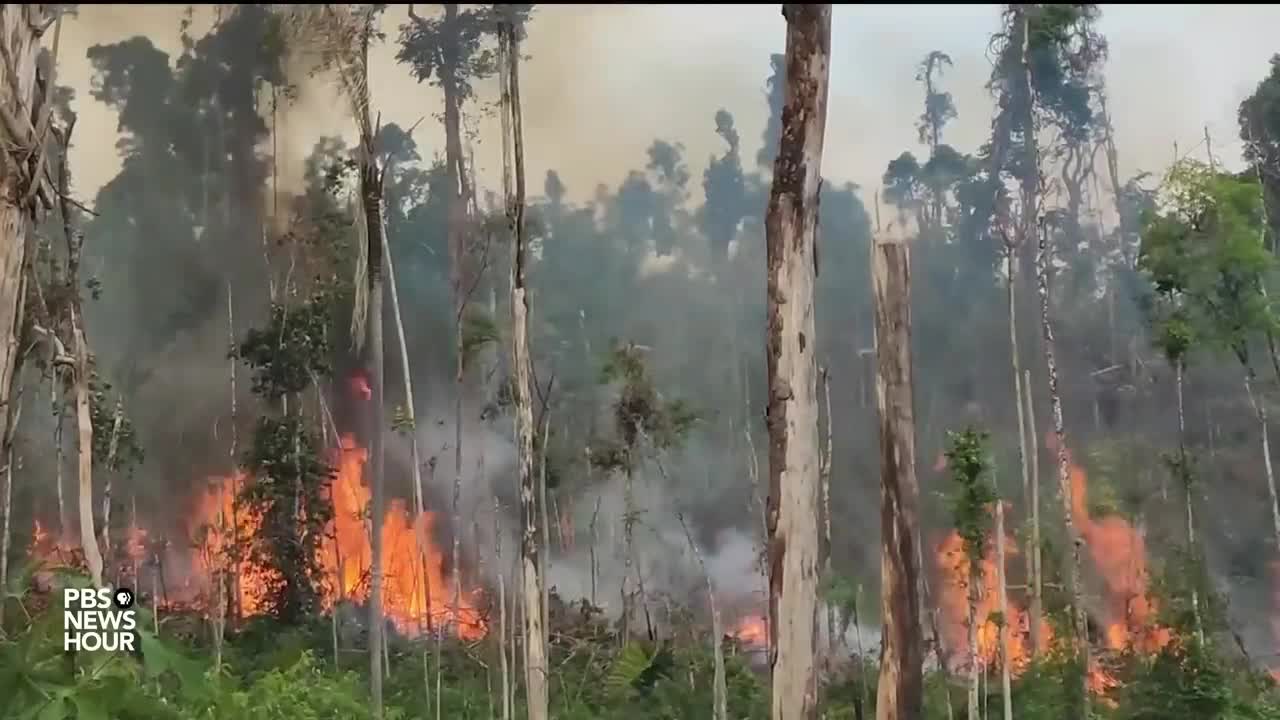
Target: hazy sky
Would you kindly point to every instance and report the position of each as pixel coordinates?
(604, 81)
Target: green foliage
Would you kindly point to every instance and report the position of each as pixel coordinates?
(1185, 680)
(102, 415)
(479, 330)
(293, 349)
(970, 467)
(1205, 257)
(640, 413)
(637, 669)
(288, 493)
(459, 50)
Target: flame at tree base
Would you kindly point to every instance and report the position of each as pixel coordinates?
(418, 595)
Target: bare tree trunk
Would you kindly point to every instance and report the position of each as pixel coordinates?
(20, 29)
(375, 240)
(410, 413)
(975, 662)
(80, 350)
(1188, 493)
(595, 567)
(1006, 690)
(792, 415)
(501, 572)
(545, 555)
(112, 447)
(901, 684)
(536, 677)
(84, 437)
(720, 692)
(825, 474)
(1064, 476)
(14, 412)
(1033, 440)
(59, 451)
(1028, 494)
(1260, 411)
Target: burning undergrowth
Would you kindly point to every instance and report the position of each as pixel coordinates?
(211, 566)
(1117, 556)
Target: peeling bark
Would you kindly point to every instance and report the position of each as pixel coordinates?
(792, 416)
(536, 677)
(20, 42)
(900, 692)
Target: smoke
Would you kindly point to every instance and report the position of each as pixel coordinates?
(601, 84)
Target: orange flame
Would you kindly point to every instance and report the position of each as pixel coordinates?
(416, 591)
(752, 631)
(953, 604)
(1119, 554)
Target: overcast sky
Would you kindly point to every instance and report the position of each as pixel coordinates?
(604, 81)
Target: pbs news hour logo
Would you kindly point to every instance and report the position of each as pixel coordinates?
(99, 619)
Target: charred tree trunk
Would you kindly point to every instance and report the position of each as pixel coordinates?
(899, 696)
(536, 678)
(20, 29)
(1075, 542)
(791, 234)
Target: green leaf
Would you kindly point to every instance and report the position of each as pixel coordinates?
(87, 709)
(55, 709)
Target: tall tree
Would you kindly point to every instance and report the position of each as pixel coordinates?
(537, 679)
(1074, 541)
(343, 34)
(792, 414)
(1208, 249)
(21, 194)
(451, 51)
(899, 696)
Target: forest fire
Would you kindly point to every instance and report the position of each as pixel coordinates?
(1118, 554)
(752, 631)
(954, 608)
(417, 594)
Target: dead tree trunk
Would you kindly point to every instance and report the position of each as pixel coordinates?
(13, 412)
(719, 689)
(536, 679)
(1030, 495)
(1033, 450)
(1184, 470)
(791, 236)
(973, 588)
(1006, 689)
(80, 353)
(1072, 560)
(20, 28)
(825, 473)
(899, 696)
(371, 177)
